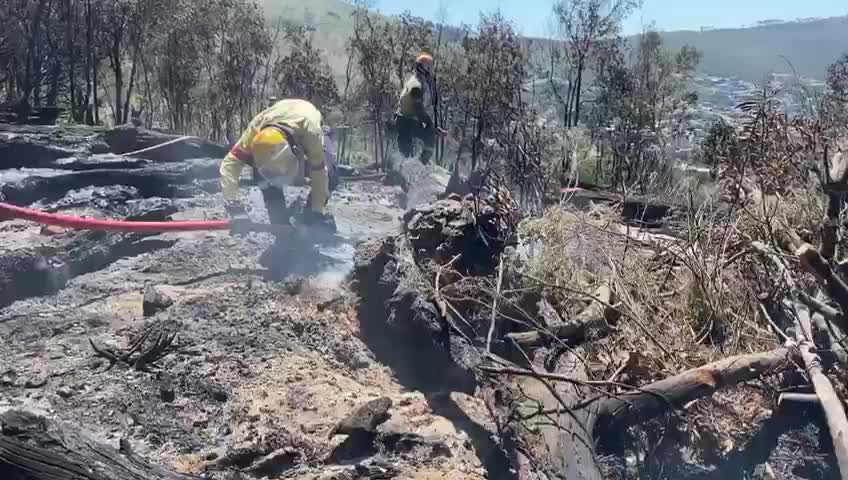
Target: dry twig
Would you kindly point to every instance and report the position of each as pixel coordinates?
(495, 306)
(159, 348)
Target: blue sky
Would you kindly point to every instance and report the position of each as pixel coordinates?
(531, 15)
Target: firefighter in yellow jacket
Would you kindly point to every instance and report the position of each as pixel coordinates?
(411, 118)
(282, 143)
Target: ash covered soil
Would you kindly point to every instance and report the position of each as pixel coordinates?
(263, 366)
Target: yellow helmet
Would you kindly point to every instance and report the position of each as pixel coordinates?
(267, 142)
(274, 157)
(424, 62)
(424, 58)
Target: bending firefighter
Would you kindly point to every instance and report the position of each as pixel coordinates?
(281, 144)
(411, 119)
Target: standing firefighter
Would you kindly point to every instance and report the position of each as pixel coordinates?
(411, 118)
(281, 144)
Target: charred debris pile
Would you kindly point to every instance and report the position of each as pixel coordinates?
(606, 351)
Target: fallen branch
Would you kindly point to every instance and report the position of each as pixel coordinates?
(599, 317)
(440, 301)
(43, 270)
(658, 397)
(607, 305)
(495, 307)
(547, 376)
(837, 421)
(797, 398)
(774, 325)
(830, 226)
(835, 338)
(828, 312)
(814, 263)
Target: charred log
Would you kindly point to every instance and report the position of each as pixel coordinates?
(157, 181)
(35, 448)
(128, 138)
(42, 147)
(23, 152)
(547, 438)
(22, 114)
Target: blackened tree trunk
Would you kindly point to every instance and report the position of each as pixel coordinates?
(577, 91)
(116, 57)
(36, 448)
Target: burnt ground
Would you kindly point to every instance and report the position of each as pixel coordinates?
(272, 353)
(264, 364)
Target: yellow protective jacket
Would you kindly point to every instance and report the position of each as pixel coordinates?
(411, 102)
(304, 122)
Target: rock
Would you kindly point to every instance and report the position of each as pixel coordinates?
(200, 421)
(56, 355)
(65, 392)
(275, 463)
(154, 302)
(50, 230)
(348, 354)
(294, 286)
(217, 393)
(36, 382)
(412, 397)
(377, 469)
(333, 304)
(406, 442)
(239, 456)
(365, 418)
(340, 473)
(166, 393)
(213, 455)
(310, 428)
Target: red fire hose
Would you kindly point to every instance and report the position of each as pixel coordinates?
(81, 223)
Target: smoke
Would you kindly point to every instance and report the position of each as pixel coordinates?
(333, 275)
(325, 259)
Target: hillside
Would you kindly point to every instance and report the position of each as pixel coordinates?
(750, 53)
(330, 18)
(746, 53)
